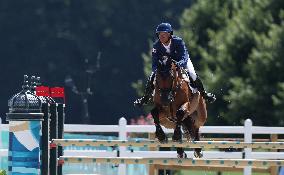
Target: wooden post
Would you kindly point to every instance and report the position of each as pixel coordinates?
(152, 168)
(273, 138)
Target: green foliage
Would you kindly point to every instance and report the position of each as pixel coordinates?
(147, 61)
(238, 47)
(3, 172)
(52, 39)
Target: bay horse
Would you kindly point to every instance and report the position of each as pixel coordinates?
(176, 106)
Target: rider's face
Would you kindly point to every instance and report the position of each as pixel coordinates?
(164, 37)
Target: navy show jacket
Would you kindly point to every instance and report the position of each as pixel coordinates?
(178, 52)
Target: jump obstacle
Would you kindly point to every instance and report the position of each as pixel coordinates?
(174, 161)
(50, 115)
(236, 163)
(152, 143)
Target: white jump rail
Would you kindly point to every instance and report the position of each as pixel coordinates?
(123, 129)
(173, 161)
(171, 144)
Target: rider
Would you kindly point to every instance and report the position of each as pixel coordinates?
(173, 47)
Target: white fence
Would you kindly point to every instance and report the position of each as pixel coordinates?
(248, 130)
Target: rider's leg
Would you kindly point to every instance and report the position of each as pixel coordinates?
(148, 92)
(197, 83)
(209, 97)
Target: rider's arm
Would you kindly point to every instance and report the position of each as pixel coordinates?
(182, 53)
(154, 59)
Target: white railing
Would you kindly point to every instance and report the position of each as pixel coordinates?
(248, 130)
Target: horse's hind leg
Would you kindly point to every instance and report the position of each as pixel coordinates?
(181, 153)
(160, 134)
(188, 123)
(194, 133)
(201, 117)
(197, 151)
(199, 120)
(177, 137)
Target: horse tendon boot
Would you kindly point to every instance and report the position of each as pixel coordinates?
(160, 134)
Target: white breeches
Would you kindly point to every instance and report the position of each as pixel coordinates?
(191, 70)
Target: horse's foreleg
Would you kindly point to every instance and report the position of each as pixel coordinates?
(177, 137)
(160, 134)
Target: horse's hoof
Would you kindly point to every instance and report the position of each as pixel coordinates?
(182, 156)
(198, 154)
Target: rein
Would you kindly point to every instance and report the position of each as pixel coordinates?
(176, 84)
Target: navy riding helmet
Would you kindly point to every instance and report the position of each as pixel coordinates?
(164, 27)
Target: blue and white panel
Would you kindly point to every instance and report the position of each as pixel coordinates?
(24, 147)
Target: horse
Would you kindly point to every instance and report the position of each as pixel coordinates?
(176, 106)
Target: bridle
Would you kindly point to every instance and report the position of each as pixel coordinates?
(175, 85)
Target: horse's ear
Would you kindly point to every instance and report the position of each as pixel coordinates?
(174, 61)
(169, 61)
(177, 67)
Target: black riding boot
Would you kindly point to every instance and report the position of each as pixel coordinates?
(209, 97)
(148, 92)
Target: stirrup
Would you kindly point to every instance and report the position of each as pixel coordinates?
(209, 97)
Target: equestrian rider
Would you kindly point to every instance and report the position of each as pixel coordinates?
(174, 47)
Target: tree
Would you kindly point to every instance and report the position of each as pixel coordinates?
(237, 49)
(238, 44)
(53, 38)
